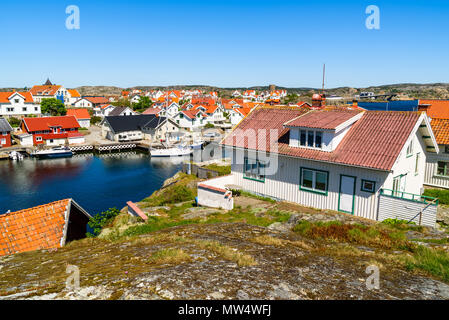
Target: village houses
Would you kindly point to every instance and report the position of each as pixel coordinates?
(5, 133)
(18, 105)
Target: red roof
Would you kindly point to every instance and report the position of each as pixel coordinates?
(45, 123)
(31, 229)
(374, 141)
(97, 100)
(78, 113)
(440, 128)
(152, 111)
(323, 119)
(191, 113)
(437, 109)
(4, 96)
(44, 90)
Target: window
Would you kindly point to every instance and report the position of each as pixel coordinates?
(446, 149)
(38, 139)
(4, 133)
(16, 100)
(443, 168)
(314, 180)
(368, 186)
(254, 169)
(10, 109)
(410, 149)
(3, 141)
(24, 109)
(35, 108)
(417, 163)
(311, 138)
(302, 138)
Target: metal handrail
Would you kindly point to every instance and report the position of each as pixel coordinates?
(414, 197)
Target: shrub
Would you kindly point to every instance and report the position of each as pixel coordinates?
(442, 195)
(99, 221)
(95, 120)
(209, 126)
(395, 222)
(14, 122)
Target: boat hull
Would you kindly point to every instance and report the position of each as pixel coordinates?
(54, 155)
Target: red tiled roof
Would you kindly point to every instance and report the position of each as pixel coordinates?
(191, 113)
(4, 96)
(323, 119)
(44, 90)
(78, 113)
(437, 109)
(97, 100)
(152, 111)
(74, 93)
(42, 124)
(440, 128)
(374, 141)
(31, 229)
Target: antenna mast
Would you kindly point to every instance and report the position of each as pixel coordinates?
(324, 73)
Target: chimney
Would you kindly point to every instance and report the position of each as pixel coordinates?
(318, 100)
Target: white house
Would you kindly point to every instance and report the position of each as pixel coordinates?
(18, 104)
(190, 119)
(170, 111)
(90, 102)
(48, 91)
(369, 164)
(122, 111)
(238, 114)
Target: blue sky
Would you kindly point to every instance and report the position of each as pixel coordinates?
(224, 43)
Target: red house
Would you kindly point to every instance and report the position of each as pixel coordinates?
(5, 133)
(52, 130)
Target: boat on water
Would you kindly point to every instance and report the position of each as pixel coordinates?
(15, 155)
(171, 152)
(197, 145)
(56, 152)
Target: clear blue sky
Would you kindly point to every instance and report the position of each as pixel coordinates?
(223, 43)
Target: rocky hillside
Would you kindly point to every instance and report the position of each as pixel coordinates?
(262, 249)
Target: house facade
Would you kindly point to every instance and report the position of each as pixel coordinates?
(81, 115)
(125, 128)
(346, 161)
(53, 131)
(90, 102)
(50, 91)
(18, 105)
(191, 119)
(5, 133)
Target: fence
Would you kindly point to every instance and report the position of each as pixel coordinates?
(200, 172)
(406, 206)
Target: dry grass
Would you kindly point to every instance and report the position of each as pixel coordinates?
(273, 241)
(169, 256)
(227, 253)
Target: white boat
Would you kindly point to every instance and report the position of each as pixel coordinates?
(14, 155)
(171, 152)
(197, 144)
(56, 152)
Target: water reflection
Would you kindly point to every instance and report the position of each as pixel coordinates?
(97, 182)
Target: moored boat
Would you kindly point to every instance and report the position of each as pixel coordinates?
(56, 152)
(171, 152)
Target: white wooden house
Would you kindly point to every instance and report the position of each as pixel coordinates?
(349, 161)
(18, 105)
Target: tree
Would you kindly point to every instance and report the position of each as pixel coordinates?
(122, 103)
(143, 104)
(53, 107)
(14, 122)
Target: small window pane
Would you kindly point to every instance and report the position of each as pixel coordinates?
(321, 181)
(307, 179)
(303, 138)
(368, 186)
(310, 138)
(318, 139)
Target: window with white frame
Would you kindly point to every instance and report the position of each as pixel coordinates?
(417, 163)
(410, 149)
(311, 138)
(314, 180)
(38, 139)
(368, 186)
(254, 169)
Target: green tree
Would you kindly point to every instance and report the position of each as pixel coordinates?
(14, 122)
(99, 221)
(143, 104)
(53, 107)
(121, 103)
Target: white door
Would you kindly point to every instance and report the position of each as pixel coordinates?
(347, 194)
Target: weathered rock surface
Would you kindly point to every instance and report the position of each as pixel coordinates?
(111, 270)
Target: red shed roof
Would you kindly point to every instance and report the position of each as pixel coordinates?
(45, 123)
(79, 113)
(374, 141)
(325, 119)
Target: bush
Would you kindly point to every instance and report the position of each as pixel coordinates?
(95, 120)
(14, 122)
(99, 221)
(209, 126)
(442, 195)
(395, 222)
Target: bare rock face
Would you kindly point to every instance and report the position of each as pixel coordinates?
(443, 215)
(215, 261)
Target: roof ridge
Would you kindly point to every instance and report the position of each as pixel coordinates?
(35, 207)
